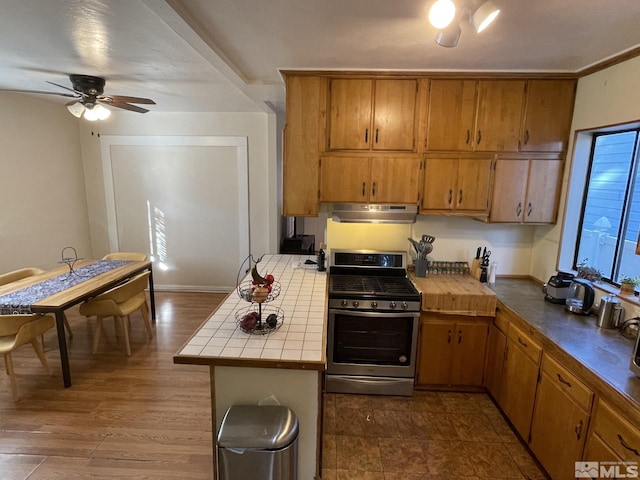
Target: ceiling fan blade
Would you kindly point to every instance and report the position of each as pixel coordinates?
(80, 94)
(125, 99)
(126, 106)
(41, 92)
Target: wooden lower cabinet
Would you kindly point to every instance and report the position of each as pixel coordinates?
(612, 438)
(560, 420)
(520, 380)
(451, 350)
(496, 347)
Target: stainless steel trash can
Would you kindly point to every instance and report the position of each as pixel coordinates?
(258, 442)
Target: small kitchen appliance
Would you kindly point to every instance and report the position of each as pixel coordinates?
(611, 313)
(372, 327)
(557, 287)
(635, 358)
(580, 297)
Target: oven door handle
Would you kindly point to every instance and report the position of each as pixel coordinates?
(374, 313)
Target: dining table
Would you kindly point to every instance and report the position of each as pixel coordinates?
(56, 290)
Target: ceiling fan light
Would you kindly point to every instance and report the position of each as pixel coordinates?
(441, 13)
(76, 109)
(449, 36)
(484, 16)
(96, 112)
(103, 113)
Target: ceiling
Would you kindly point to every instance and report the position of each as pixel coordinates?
(226, 55)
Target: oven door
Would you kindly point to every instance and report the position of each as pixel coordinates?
(368, 343)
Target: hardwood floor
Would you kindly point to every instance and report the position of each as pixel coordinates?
(124, 417)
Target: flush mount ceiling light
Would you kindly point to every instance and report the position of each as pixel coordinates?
(444, 16)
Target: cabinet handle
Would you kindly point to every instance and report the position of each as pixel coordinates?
(449, 337)
(519, 209)
(366, 135)
(624, 444)
(376, 135)
(450, 196)
(363, 188)
(373, 192)
(468, 137)
(578, 430)
(460, 198)
(562, 380)
(529, 209)
(524, 344)
(479, 137)
(526, 137)
(459, 336)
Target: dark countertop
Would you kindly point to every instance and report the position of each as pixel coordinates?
(604, 352)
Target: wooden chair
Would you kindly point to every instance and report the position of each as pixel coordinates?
(135, 256)
(16, 275)
(120, 302)
(15, 331)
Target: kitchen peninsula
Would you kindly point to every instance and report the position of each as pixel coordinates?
(286, 365)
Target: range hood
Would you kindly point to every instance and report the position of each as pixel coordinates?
(361, 213)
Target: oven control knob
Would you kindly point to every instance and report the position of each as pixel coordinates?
(403, 359)
(356, 303)
(392, 305)
(374, 305)
(344, 303)
(405, 305)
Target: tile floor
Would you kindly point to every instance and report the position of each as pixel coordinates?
(432, 435)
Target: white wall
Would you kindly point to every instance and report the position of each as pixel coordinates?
(260, 130)
(42, 197)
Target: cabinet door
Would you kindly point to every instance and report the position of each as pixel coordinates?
(344, 179)
(509, 189)
(470, 344)
(440, 176)
(558, 430)
(435, 352)
(451, 112)
(519, 382)
(394, 179)
(598, 451)
(394, 117)
(350, 114)
(474, 179)
(543, 191)
(548, 112)
(500, 106)
(496, 346)
(301, 165)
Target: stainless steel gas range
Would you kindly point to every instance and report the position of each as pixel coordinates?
(374, 312)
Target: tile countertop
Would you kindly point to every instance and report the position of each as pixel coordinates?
(298, 343)
(604, 352)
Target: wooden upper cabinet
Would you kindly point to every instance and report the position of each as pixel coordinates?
(395, 179)
(548, 113)
(451, 109)
(345, 179)
(366, 114)
(498, 114)
(526, 190)
(303, 138)
(455, 184)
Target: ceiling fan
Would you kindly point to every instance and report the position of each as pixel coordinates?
(89, 98)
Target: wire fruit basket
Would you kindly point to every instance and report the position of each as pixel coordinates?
(258, 318)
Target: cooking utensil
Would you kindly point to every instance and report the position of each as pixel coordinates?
(428, 238)
(416, 246)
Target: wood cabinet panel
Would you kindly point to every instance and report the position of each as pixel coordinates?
(303, 135)
(394, 121)
(451, 114)
(395, 179)
(344, 179)
(474, 179)
(510, 185)
(350, 113)
(496, 346)
(435, 352)
(597, 450)
(440, 181)
(498, 115)
(467, 367)
(548, 112)
(621, 436)
(543, 191)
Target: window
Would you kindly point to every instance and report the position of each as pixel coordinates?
(610, 217)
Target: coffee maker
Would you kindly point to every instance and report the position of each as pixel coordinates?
(580, 297)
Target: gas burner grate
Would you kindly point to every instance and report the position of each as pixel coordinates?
(362, 284)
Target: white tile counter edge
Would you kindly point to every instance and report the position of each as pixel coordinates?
(302, 298)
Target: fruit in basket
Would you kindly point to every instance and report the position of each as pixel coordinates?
(269, 278)
(257, 278)
(249, 321)
(260, 294)
(272, 320)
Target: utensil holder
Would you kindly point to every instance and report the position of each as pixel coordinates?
(420, 267)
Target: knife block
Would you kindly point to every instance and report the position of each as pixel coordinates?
(475, 268)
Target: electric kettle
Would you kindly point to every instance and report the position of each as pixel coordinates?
(580, 297)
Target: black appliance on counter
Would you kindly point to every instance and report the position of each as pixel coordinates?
(557, 287)
(374, 312)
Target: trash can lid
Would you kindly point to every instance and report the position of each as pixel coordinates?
(264, 427)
